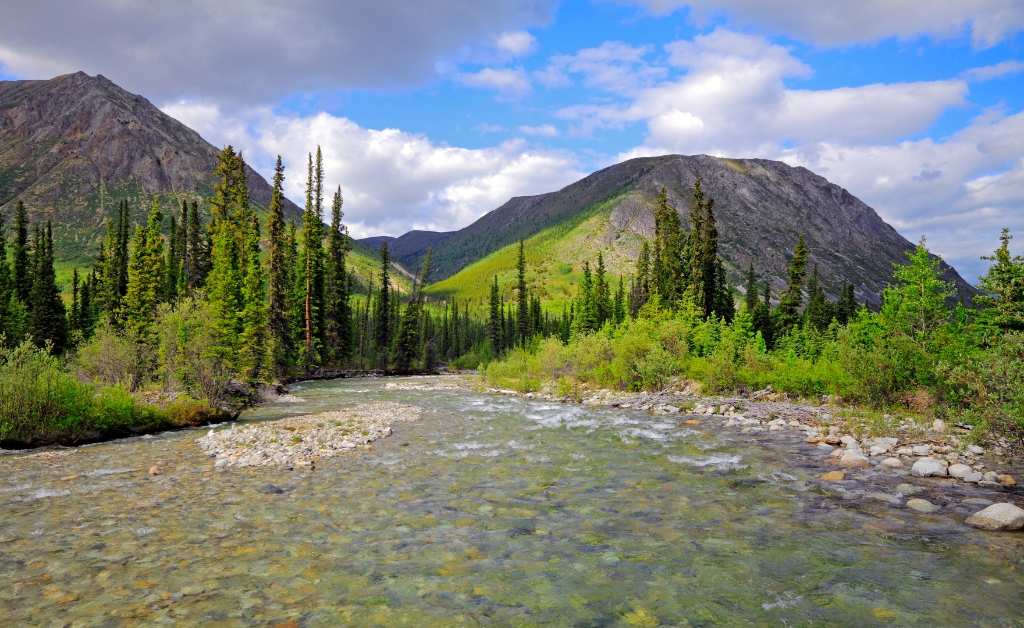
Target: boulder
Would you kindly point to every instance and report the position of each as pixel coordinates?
(854, 459)
(959, 471)
(878, 450)
(1007, 480)
(974, 449)
(894, 463)
(834, 476)
(928, 467)
(998, 517)
(848, 440)
(939, 425)
(973, 477)
(922, 450)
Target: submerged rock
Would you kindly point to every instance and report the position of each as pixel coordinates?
(998, 517)
(922, 506)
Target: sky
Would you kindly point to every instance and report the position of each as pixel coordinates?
(432, 113)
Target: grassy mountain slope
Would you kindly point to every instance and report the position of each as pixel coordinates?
(761, 208)
(73, 146)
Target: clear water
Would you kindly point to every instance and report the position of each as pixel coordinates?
(491, 511)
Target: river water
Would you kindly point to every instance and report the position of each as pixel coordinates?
(491, 511)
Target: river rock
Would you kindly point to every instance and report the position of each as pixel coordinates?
(854, 459)
(959, 471)
(973, 477)
(825, 447)
(909, 489)
(834, 476)
(878, 450)
(774, 428)
(922, 450)
(922, 506)
(156, 470)
(928, 467)
(978, 501)
(974, 449)
(1007, 480)
(894, 463)
(998, 517)
(849, 441)
(939, 425)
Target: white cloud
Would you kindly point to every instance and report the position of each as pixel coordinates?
(254, 51)
(510, 83)
(484, 127)
(841, 23)
(543, 130)
(613, 66)
(732, 99)
(988, 72)
(516, 43)
(392, 181)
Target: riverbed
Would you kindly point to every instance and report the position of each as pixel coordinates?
(491, 510)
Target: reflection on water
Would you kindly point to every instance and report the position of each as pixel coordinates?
(488, 511)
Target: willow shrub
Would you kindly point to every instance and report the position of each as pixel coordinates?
(42, 401)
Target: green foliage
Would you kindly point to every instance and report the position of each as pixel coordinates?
(1004, 284)
(788, 315)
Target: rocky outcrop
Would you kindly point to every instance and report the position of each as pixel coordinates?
(73, 146)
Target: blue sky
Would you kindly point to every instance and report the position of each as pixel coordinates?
(432, 113)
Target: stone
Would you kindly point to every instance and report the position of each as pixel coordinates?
(922, 450)
(891, 442)
(848, 440)
(922, 506)
(909, 489)
(939, 425)
(991, 476)
(998, 517)
(973, 477)
(905, 451)
(853, 459)
(773, 428)
(838, 452)
(878, 450)
(156, 470)
(894, 463)
(978, 501)
(825, 447)
(959, 471)
(834, 476)
(928, 467)
(974, 449)
(794, 423)
(1007, 480)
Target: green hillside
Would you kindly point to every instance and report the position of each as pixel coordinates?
(554, 258)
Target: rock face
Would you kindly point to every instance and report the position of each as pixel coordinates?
(998, 517)
(73, 146)
(761, 206)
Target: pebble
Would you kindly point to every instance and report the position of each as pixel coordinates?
(922, 506)
(1007, 480)
(909, 489)
(834, 476)
(939, 425)
(155, 470)
(974, 449)
(825, 447)
(303, 440)
(922, 450)
(854, 459)
(978, 501)
(928, 467)
(894, 463)
(998, 517)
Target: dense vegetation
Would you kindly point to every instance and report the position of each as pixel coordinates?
(965, 364)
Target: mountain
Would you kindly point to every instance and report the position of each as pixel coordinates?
(761, 206)
(410, 246)
(73, 146)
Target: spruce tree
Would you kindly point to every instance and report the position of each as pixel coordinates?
(846, 306)
(146, 277)
(198, 252)
(522, 300)
(12, 311)
(280, 281)
(229, 230)
(642, 281)
(602, 293)
(75, 315)
(751, 288)
(47, 318)
(669, 273)
(410, 326)
(253, 323)
(382, 314)
(762, 319)
(819, 311)
(173, 263)
(22, 263)
(494, 319)
(619, 306)
(1003, 284)
(313, 260)
(336, 296)
(788, 312)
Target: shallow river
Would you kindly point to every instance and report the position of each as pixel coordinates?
(491, 511)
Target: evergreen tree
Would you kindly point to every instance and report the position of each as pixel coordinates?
(75, 315)
(619, 306)
(410, 326)
(819, 311)
(916, 306)
(1004, 284)
(253, 323)
(725, 302)
(12, 311)
(846, 306)
(22, 263)
(229, 230)
(336, 297)
(522, 303)
(280, 280)
(703, 266)
(494, 319)
(146, 277)
(382, 314)
(602, 294)
(199, 264)
(788, 313)
(642, 281)
(751, 288)
(173, 263)
(47, 317)
(120, 258)
(669, 272)
(313, 260)
(762, 320)
(87, 307)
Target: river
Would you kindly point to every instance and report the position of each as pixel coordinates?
(487, 511)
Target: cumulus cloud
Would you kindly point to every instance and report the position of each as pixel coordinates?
(989, 72)
(841, 23)
(392, 181)
(613, 66)
(510, 83)
(516, 43)
(254, 51)
(732, 99)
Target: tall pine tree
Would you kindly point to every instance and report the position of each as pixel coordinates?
(47, 317)
(336, 295)
(280, 281)
(788, 313)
